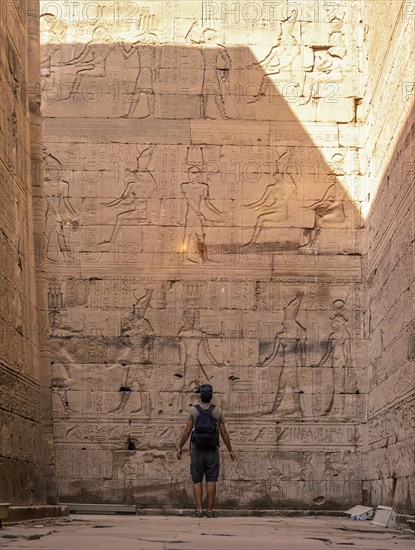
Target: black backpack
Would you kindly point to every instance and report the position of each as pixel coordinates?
(205, 431)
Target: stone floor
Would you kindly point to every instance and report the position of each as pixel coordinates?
(186, 533)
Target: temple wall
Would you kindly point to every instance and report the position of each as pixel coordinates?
(22, 457)
(202, 176)
(390, 150)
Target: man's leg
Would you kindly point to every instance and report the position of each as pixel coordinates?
(198, 493)
(211, 494)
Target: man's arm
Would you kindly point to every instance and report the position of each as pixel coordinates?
(185, 436)
(226, 439)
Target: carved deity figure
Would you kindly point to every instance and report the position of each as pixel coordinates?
(91, 61)
(216, 65)
(329, 209)
(137, 340)
(61, 216)
(289, 347)
(328, 64)
(148, 55)
(191, 340)
(339, 356)
(140, 185)
(199, 206)
(308, 478)
(273, 204)
(281, 56)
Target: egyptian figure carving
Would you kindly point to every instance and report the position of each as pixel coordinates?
(339, 356)
(289, 348)
(140, 185)
(61, 217)
(52, 30)
(198, 207)
(137, 348)
(191, 340)
(91, 61)
(148, 57)
(280, 57)
(216, 65)
(328, 64)
(273, 204)
(330, 208)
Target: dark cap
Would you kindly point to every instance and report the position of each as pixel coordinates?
(206, 390)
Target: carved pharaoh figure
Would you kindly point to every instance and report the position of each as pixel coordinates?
(281, 56)
(137, 340)
(289, 346)
(61, 216)
(148, 55)
(273, 204)
(198, 204)
(132, 204)
(329, 209)
(216, 65)
(191, 339)
(91, 61)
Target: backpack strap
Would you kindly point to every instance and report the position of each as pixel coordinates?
(199, 408)
(211, 407)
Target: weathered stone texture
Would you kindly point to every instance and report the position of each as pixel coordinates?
(227, 195)
(389, 144)
(202, 177)
(21, 457)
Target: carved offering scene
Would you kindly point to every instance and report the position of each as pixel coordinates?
(206, 219)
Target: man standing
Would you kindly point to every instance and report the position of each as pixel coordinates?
(204, 461)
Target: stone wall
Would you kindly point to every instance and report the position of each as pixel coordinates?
(202, 175)
(24, 461)
(390, 150)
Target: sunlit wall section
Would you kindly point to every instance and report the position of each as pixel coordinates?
(390, 148)
(202, 179)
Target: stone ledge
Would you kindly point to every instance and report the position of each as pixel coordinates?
(226, 512)
(25, 513)
(81, 508)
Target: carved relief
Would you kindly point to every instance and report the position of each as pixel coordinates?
(216, 65)
(140, 185)
(90, 62)
(61, 217)
(199, 210)
(147, 55)
(166, 293)
(280, 58)
(273, 204)
(289, 347)
(192, 340)
(338, 353)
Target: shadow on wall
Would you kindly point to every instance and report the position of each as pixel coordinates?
(165, 167)
(390, 287)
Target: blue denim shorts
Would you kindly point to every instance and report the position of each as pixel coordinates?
(204, 464)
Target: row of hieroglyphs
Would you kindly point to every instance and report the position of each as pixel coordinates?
(157, 435)
(301, 476)
(214, 293)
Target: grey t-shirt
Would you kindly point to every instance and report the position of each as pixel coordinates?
(216, 413)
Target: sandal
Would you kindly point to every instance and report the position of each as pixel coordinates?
(211, 515)
(197, 514)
